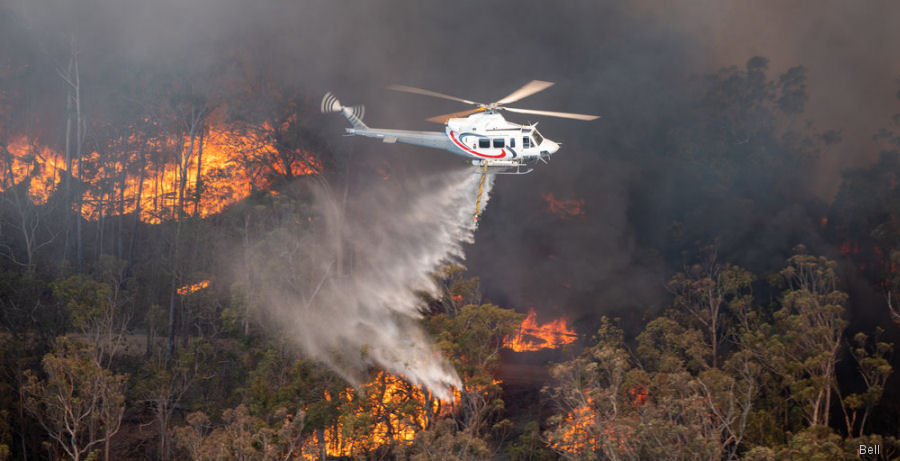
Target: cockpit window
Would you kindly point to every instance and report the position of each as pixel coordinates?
(484, 143)
(537, 138)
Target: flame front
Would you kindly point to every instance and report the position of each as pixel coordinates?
(183, 177)
(579, 435)
(388, 410)
(534, 337)
(194, 287)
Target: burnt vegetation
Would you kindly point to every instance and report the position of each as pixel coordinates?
(126, 335)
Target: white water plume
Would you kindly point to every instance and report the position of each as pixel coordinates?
(344, 289)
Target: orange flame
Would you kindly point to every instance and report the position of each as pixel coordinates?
(388, 410)
(41, 166)
(565, 209)
(579, 436)
(194, 287)
(638, 395)
(587, 433)
(112, 186)
(534, 337)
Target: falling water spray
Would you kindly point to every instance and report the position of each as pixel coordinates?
(346, 289)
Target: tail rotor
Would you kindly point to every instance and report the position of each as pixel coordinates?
(355, 114)
(330, 104)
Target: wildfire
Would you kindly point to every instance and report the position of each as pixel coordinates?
(534, 337)
(194, 287)
(565, 209)
(587, 432)
(579, 436)
(396, 411)
(205, 177)
(38, 164)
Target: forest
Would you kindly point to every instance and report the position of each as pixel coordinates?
(135, 218)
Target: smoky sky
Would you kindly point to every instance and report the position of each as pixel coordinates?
(626, 61)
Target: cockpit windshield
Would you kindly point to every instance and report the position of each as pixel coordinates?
(538, 139)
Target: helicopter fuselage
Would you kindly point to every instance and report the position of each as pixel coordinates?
(488, 136)
(485, 138)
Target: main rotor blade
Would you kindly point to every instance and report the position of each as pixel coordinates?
(443, 119)
(414, 90)
(554, 114)
(529, 89)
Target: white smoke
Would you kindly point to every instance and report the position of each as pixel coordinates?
(344, 290)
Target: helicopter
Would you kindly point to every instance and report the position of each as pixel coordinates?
(481, 134)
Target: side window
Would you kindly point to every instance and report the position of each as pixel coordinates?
(498, 142)
(512, 142)
(526, 142)
(484, 143)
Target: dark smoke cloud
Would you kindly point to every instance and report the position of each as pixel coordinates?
(629, 62)
(849, 48)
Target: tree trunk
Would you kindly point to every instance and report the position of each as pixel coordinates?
(198, 185)
(68, 197)
(323, 449)
(137, 208)
(170, 343)
(79, 142)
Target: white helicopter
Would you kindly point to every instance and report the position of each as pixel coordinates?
(480, 134)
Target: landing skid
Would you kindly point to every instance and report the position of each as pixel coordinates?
(516, 170)
(504, 170)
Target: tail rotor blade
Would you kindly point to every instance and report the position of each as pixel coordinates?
(330, 104)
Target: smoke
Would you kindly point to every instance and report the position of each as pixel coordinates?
(345, 288)
(631, 62)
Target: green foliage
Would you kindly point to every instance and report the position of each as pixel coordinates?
(609, 407)
(240, 437)
(473, 337)
(446, 442)
(86, 299)
(530, 445)
(805, 346)
(759, 454)
(890, 446)
(666, 400)
(79, 404)
(815, 443)
(667, 346)
(456, 290)
(873, 363)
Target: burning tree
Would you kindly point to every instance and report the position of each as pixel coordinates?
(610, 406)
(671, 398)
